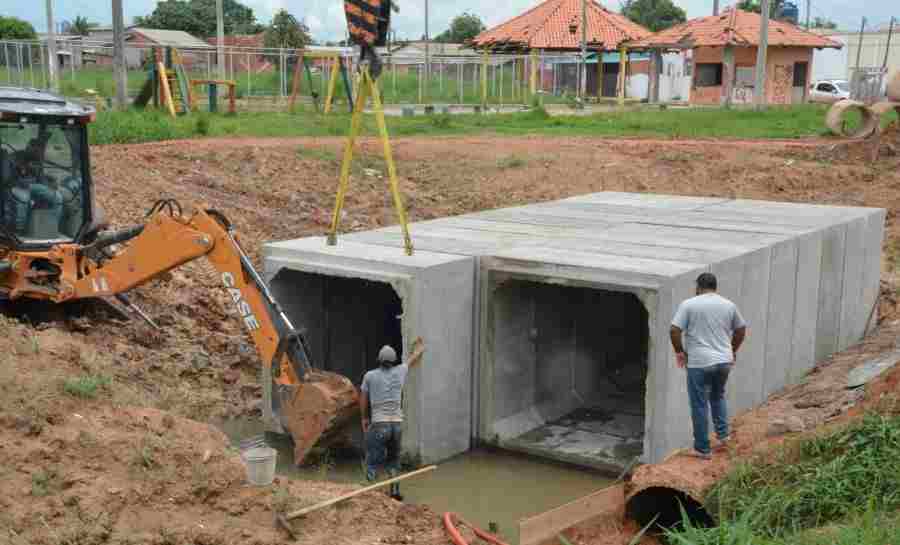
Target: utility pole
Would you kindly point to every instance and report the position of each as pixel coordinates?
(52, 58)
(119, 69)
(220, 38)
(808, 9)
(761, 57)
(715, 7)
(584, 49)
(427, 55)
(887, 49)
(862, 32)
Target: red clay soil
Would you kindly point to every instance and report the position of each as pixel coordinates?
(128, 465)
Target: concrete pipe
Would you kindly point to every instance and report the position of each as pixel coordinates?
(893, 87)
(835, 119)
(659, 492)
(881, 108)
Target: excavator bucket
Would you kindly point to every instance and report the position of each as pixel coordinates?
(316, 411)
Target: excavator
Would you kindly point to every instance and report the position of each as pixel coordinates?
(56, 247)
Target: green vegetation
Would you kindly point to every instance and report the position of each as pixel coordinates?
(45, 483)
(12, 28)
(149, 126)
(86, 386)
(841, 487)
(511, 161)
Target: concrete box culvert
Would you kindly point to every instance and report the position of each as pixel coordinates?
(564, 368)
(350, 300)
(805, 276)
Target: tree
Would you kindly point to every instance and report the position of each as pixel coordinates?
(287, 32)
(821, 22)
(198, 17)
(12, 28)
(654, 15)
(756, 7)
(462, 29)
(80, 26)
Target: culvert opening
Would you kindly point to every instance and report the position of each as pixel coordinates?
(569, 372)
(663, 507)
(345, 320)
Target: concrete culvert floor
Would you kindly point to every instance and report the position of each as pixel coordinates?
(345, 320)
(570, 372)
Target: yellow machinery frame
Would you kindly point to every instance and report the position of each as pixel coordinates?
(367, 87)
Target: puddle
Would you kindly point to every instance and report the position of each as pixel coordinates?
(483, 486)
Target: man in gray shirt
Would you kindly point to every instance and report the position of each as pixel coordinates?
(707, 332)
(383, 389)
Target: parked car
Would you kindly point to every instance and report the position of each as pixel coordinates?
(829, 91)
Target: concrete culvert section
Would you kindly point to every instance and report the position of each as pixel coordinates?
(570, 372)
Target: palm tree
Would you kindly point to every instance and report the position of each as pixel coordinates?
(81, 26)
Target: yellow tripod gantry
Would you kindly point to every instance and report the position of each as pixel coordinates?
(367, 87)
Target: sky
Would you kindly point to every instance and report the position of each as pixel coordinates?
(326, 17)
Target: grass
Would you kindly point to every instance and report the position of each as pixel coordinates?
(840, 487)
(86, 386)
(511, 162)
(151, 126)
(45, 483)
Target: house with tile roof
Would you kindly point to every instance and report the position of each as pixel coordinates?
(554, 27)
(723, 52)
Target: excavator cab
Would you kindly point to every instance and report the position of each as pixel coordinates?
(45, 179)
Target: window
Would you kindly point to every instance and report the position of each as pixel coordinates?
(709, 74)
(800, 71)
(825, 88)
(42, 196)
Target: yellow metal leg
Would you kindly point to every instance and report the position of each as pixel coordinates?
(332, 85)
(389, 159)
(361, 95)
(366, 87)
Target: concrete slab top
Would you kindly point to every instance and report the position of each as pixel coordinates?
(658, 235)
(595, 262)
(297, 249)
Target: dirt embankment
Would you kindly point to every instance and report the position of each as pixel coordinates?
(128, 464)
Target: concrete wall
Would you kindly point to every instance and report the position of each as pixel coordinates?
(341, 296)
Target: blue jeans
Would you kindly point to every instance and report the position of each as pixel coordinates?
(706, 390)
(383, 448)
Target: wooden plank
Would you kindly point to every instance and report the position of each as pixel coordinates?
(539, 528)
(339, 499)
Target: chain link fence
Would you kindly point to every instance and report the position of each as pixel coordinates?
(264, 78)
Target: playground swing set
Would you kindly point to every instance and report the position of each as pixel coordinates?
(169, 87)
(337, 67)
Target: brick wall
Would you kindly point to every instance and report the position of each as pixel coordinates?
(779, 71)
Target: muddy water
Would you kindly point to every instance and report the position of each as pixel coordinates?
(483, 485)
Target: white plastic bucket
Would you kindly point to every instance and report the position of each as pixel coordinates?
(260, 463)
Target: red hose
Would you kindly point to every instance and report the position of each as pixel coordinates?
(451, 520)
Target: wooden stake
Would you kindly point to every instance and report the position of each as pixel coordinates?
(329, 503)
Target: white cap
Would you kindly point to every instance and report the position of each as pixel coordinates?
(387, 355)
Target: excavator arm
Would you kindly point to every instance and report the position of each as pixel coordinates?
(298, 399)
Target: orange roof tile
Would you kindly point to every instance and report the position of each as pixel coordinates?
(547, 26)
(733, 27)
